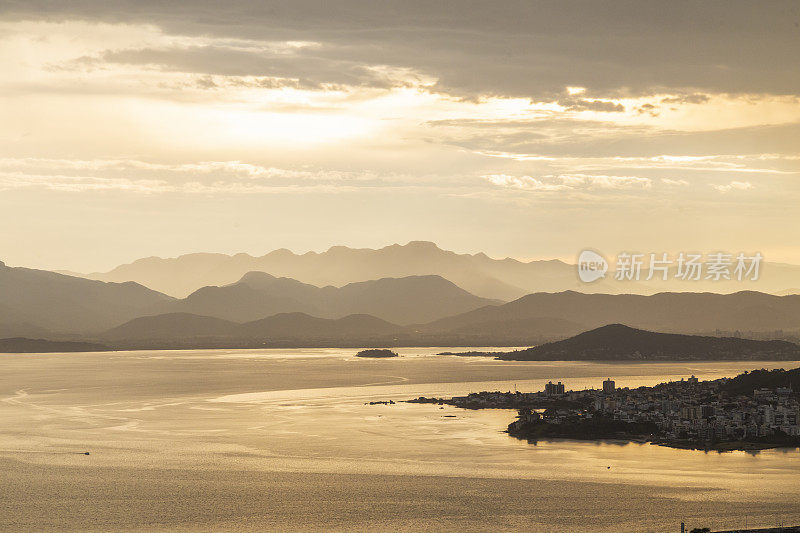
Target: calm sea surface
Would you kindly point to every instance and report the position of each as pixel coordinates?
(250, 440)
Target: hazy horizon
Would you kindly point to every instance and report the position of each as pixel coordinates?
(567, 259)
(571, 260)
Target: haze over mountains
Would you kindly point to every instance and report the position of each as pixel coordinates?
(34, 302)
(530, 320)
(670, 312)
(503, 279)
(260, 307)
(282, 329)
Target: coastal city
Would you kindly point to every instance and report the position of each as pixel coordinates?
(689, 413)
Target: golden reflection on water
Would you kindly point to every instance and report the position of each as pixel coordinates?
(304, 412)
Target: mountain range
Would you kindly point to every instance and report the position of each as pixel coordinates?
(533, 319)
(501, 279)
(670, 312)
(412, 299)
(37, 303)
(413, 310)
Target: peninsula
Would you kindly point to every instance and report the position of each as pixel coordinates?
(618, 342)
(752, 411)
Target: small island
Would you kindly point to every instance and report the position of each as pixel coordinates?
(472, 354)
(377, 353)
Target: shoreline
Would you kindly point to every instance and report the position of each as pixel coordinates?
(721, 447)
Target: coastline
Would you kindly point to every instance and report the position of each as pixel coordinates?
(720, 447)
(753, 411)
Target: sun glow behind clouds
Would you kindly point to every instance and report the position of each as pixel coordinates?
(204, 111)
(316, 112)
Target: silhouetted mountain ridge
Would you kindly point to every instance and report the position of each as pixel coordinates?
(503, 279)
(412, 299)
(479, 274)
(669, 312)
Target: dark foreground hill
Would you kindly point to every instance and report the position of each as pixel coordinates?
(620, 342)
(23, 345)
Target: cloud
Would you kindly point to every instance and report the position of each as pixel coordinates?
(559, 136)
(69, 183)
(733, 186)
(568, 182)
(580, 104)
(524, 182)
(695, 98)
(674, 183)
(530, 50)
(649, 109)
(206, 177)
(148, 177)
(260, 68)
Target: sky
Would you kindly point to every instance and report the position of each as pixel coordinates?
(523, 129)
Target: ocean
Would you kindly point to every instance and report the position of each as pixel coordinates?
(283, 439)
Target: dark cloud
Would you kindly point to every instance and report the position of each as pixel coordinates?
(696, 98)
(580, 104)
(301, 71)
(514, 48)
(650, 109)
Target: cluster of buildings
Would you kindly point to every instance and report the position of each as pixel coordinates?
(691, 409)
(686, 410)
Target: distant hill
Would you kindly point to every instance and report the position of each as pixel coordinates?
(412, 299)
(289, 326)
(620, 342)
(23, 345)
(479, 274)
(669, 312)
(12, 328)
(172, 326)
(502, 279)
(38, 302)
(186, 329)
